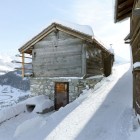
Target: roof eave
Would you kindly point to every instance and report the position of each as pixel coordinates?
(125, 10)
(51, 28)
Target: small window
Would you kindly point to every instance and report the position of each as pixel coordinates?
(34, 54)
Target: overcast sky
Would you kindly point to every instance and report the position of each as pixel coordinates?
(20, 20)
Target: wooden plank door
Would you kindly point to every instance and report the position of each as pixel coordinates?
(61, 94)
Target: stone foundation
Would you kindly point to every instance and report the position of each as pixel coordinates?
(46, 86)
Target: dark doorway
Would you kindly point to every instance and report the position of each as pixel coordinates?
(61, 94)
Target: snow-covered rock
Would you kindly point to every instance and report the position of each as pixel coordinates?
(38, 103)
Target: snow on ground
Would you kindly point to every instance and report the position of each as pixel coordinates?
(135, 135)
(104, 113)
(10, 96)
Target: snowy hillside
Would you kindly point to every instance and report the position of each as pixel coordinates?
(13, 88)
(104, 113)
(120, 60)
(10, 77)
(15, 80)
(10, 96)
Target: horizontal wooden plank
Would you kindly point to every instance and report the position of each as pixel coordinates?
(76, 71)
(57, 66)
(94, 61)
(97, 71)
(60, 35)
(58, 59)
(94, 66)
(57, 50)
(44, 44)
(63, 35)
(57, 55)
(97, 57)
(49, 37)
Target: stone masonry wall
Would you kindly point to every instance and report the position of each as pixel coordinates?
(46, 86)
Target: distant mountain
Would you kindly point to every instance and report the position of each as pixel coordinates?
(10, 77)
(15, 80)
(120, 60)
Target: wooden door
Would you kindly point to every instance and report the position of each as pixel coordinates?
(61, 94)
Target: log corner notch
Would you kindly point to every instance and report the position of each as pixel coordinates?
(23, 68)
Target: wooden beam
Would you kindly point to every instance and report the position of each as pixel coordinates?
(122, 4)
(84, 37)
(14, 61)
(135, 38)
(125, 11)
(120, 18)
(36, 39)
(84, 63)
(134, 88)
(23, 69)
(136, 12)
(135, 33)
(127, 41)
(136, 52)
(21, 56)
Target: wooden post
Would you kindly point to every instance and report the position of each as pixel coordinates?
(136, 12)
(134, 87)
(84, 63)
(23, 70)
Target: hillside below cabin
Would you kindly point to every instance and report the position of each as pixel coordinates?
(66, 59)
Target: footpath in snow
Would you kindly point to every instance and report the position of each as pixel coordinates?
(104, 113)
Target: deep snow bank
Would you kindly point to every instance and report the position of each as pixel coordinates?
(102, 114)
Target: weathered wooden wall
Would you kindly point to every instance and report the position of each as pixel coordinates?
(135, 44)
(58, 55)
(136, 90)
(108, 60)
(94, 61)
(135, 34)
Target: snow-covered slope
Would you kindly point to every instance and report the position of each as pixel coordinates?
(104, 113)
(10, 96)
(8, 75)
(119, 60)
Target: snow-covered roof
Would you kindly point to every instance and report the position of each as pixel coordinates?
(136, 65)
(83, 32)
(86, 29)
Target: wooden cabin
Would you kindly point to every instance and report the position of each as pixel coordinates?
(131, 9)
(64, 58)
